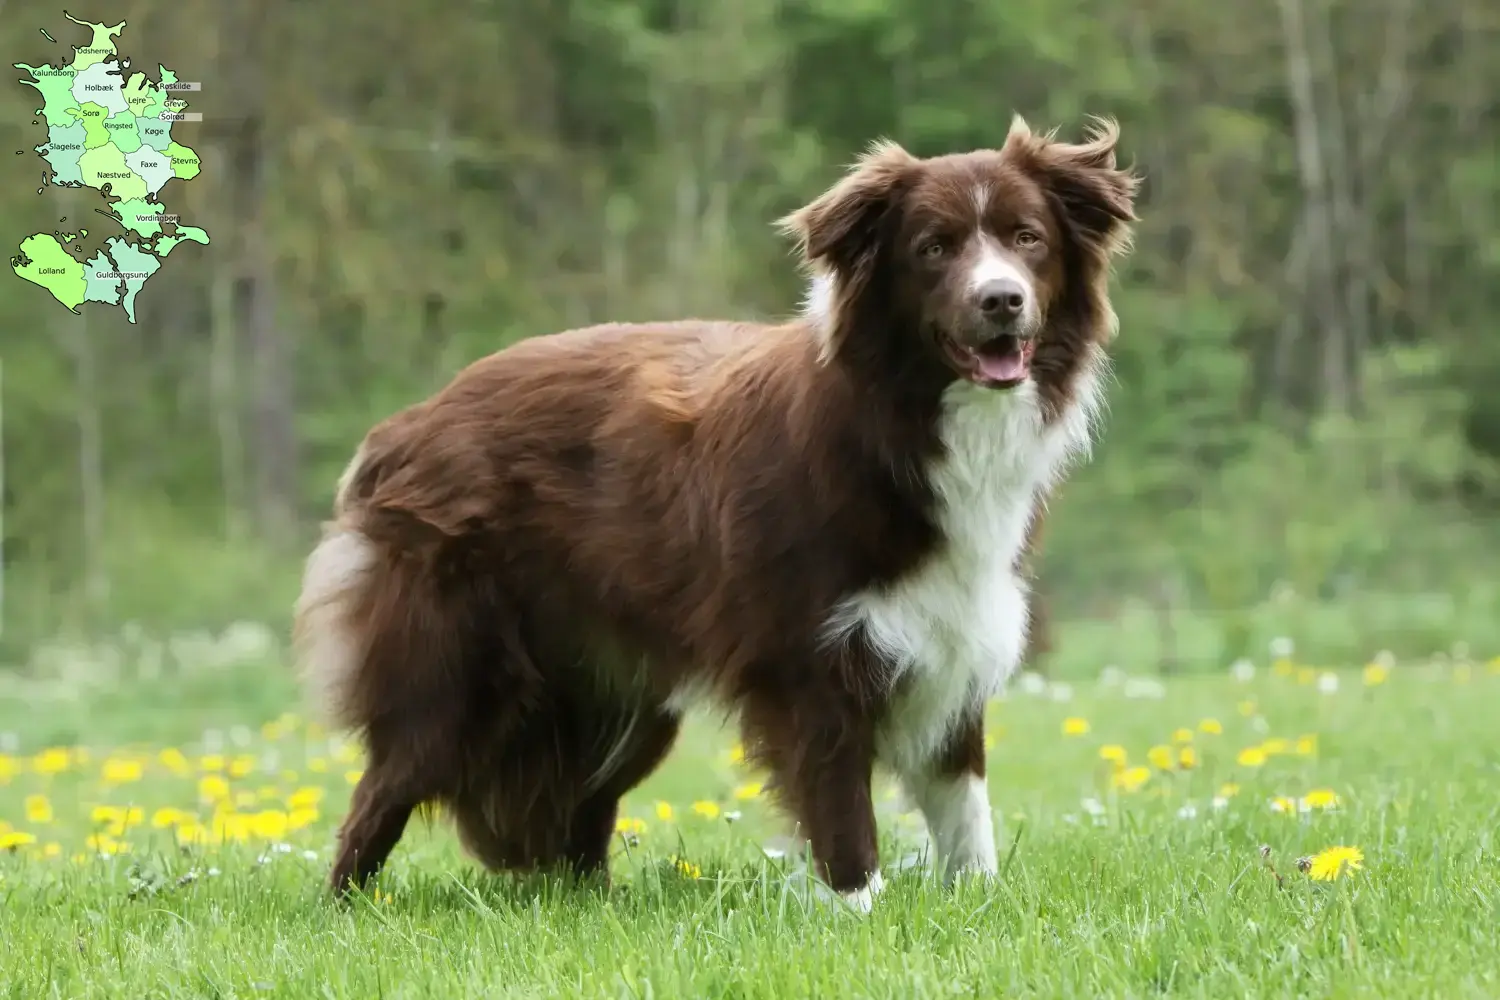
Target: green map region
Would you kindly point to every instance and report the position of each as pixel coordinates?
(109, 130)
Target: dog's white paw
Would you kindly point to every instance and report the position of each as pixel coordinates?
(863, 900)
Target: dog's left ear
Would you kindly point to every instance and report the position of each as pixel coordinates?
(1098, 196)
(842, 226)
(839, 234)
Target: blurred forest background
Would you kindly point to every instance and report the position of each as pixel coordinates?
(1305, 434)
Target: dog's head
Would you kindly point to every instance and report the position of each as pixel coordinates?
(974, 260)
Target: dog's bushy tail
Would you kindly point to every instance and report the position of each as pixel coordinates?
(393, 625)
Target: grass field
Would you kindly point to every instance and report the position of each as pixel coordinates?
(171, 838)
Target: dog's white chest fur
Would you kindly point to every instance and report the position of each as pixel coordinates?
(955, 629)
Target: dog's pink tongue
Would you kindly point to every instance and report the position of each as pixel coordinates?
(1003, 367)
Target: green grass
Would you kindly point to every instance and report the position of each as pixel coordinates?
(1163, 894)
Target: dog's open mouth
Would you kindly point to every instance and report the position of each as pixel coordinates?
(999, 363)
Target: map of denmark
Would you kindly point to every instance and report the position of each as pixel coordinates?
(109, 130)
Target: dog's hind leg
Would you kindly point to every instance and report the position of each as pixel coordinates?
(399, 645)
(414, 757)
(377, 818)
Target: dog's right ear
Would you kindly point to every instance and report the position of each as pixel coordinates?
(840, 228)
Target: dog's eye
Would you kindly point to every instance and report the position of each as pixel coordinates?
(932, 250)
(1026, 238)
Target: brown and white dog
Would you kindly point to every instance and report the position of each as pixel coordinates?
(818, 525)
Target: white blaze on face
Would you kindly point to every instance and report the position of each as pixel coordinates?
(993, 265)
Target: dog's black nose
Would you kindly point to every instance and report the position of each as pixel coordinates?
(1002, 298)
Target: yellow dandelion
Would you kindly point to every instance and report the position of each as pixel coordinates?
(1306, 675)
(117, 818)
(1275, 745)
(627, 824)
(122, 771)
(272, 731)
(1246, 708)
(105, 843)
(1187, 758)
(192, 832)
(708, 810)
(52, 850)
(1213, 727)
(38, 809)
(1494, 666)
(1330, 864)
(383, 898)
(1183, 735)
(1462, 673)
(1282, 667)
(1376, 674)
(1075, 726)
(176, 761)
(241, 766)
(1132, 778)
(8, 768)
(297, 819)
(1251, 757)
(1282, 804)
(1229, 790)
(53, 760)
(166, 817)
(353, 776)
(269, 824)
(15, 839)
(1307, 745)
(1161, 757)
(664, 811)
(231, 826)
(750, 790)
(305, 798)
(1114, 753)
(1321, 798)
(318, 765)
(989, 741)
(212, 788)
(737, 754)
(348, 753)
(686, 868)
(211, 762)
(245, 800)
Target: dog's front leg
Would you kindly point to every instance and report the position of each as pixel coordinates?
(951, 792)
(821, 760)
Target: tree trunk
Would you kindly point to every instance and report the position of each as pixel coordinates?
(272, 436)
(224, 400)
(90, 425)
